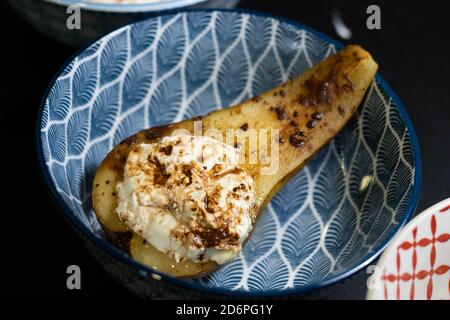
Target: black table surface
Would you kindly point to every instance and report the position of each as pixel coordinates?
(412, 48)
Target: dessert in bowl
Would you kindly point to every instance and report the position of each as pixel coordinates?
(329, 220)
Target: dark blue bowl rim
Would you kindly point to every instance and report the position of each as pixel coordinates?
(145, 271)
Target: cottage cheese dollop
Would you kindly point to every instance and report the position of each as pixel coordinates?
(187, 196)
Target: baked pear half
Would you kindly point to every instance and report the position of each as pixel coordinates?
(306, 112)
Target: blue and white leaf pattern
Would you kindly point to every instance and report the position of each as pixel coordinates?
(171, 46)
(137, 82)
(340, 229)
(104, 111)
(347, 142)
(260, 29)
(316, 163)
(142, 36)
(59, 172)
(200, 63)
(132, 124)
(372, 206)
(403, 205)
(166, 101)
(388, 156)
(197, 24)
(233, 75)
(59, 97)
(78, 129)
(322, 223)
(228, 28)
(165, 20)
(94, 156)
(291, 197)
(374, 121)
(75, 177)
(350, 253)
(379, 226)
(269, 274)
(396, 122)
(360, 175)
(407, 150)
(57, 141)
(69, 67)
(267, 75)
(318, 49)
(314, 270)
(262, 239)
(91, 51)
(114, 57)
(202, 104)
(330, 186)
(301, 237)
(397, 188)
(227, 277)
(44, 145)
(300, 65)
(288, 49)
(84, 82)
(44, 115)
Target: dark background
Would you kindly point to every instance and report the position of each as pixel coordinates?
(412, 48)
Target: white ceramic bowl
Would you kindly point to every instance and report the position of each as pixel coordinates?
(110, 6)
(97, 19)
(416, 265)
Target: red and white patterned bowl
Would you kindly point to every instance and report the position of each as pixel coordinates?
(416, 264)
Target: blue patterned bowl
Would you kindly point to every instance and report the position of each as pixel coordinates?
(330, 220)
